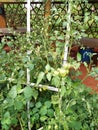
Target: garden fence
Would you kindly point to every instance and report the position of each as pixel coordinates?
(16, 15)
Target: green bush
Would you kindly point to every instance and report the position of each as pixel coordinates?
(72, 107)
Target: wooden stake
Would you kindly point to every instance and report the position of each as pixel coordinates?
(28, 71)
(67, 33)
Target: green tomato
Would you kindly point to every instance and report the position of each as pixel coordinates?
(56, 73)
(49, 127)
(63, 72)
(67, 66)
(56, 127)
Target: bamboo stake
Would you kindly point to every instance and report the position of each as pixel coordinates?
(67, 33)
(28, 16)
(48, 87)
(45, 87)
(28, 53)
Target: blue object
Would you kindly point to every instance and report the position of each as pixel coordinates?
(86, 54)
(2, 11)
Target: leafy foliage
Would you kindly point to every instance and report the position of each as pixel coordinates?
(73, 107)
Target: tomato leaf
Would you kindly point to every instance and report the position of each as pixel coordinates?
(40, 77)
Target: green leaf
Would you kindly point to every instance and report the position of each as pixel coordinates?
(63, 90)
(49, 76)
(21, 73)
(6, 119)
(52, 38)
(48, 104)
(55, 99)
(9, 43)
(25, 59)
(89, 107)
(56, 81)
(48, 67)
(43, 111)
(96, 18)
(61, 37)
(33, 119)
(18, 105)
(64, 24)
(30, 66)
(58, 21)
(19, 88)
(28, 92)
(38, 104)
(40, 77)
(78, 57)
(75, 125)
(14, 120)
(35, 110)
(43, 118)
(35, 93)
(8, 102)
(2, 78)
(13, 92)
(36, 115)
(50, 112)
(72, 102)
(85, 64)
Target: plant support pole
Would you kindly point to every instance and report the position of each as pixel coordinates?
(28, 53)
(47, 87)
(67, 32)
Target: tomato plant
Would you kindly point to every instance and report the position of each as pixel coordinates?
(71, 107)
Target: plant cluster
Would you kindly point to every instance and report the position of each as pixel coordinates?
(71, 107)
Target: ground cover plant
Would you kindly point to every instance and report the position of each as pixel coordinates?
(70, 107)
